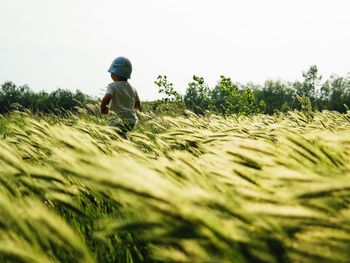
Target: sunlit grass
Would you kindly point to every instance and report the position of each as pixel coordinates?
(185, 189)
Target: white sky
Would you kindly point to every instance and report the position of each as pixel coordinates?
(71, 43)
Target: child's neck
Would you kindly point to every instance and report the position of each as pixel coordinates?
(116, 77)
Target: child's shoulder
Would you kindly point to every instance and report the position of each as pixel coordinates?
(113, 85)
(110, 85)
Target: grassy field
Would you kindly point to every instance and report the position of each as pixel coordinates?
(183, 189)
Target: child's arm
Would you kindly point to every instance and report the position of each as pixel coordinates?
(138, 105)
(105, 101)
(137, 102)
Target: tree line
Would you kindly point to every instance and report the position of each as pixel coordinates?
(56, 102)
(227, 97)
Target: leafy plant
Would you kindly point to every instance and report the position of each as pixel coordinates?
(198, 96)
(172, 102)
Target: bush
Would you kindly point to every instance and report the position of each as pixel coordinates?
(172, 102)
(198, 96)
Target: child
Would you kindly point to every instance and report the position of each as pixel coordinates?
(123, 98)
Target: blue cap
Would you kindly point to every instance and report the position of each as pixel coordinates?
(121, 66)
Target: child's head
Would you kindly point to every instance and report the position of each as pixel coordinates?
(120, 69)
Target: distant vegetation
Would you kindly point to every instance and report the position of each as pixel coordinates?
(227, 97)
(22, 97)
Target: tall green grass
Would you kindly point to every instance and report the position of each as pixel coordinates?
(185, 189)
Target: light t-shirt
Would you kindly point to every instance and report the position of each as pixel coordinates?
(123, 101)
